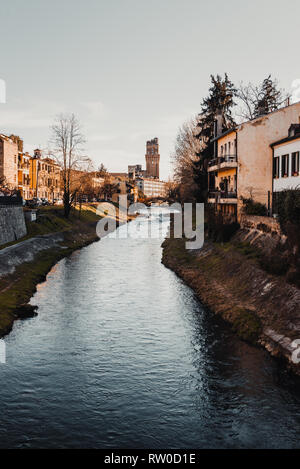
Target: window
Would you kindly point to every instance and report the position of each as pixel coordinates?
(295, 163)
(285, 165)
(276, 167)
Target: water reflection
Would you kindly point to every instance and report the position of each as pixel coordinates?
(123, 355)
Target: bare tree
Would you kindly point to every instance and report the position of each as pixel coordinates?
(256, 100)
(184, 156)
(68, 140)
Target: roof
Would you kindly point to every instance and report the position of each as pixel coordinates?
(234, 129)
(293, 134)
(250, 121)
(285, 140)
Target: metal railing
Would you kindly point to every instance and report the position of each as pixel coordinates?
(222, 195)
(223, 159)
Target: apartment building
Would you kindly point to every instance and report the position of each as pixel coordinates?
(9, 149)
(45, 177)
(222, 173)
(286, 161)
(242, 164)
(135, 170)
(24, 182)
(151, 187)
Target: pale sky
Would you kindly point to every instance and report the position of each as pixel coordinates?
(132, 70)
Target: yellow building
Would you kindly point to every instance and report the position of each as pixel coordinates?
(24, 183)
(222, 172)
(242, 165)
(45, 177)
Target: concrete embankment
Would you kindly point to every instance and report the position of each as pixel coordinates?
(261, 308)
(13, 256)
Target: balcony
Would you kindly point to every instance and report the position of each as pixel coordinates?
(222, 162)
(222, 197)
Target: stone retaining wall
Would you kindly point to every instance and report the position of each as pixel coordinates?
(264, 224)
(12, 224)
(25, 251)
(262, 232)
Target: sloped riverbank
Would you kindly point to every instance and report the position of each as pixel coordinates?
(25, 264)
(261, 308)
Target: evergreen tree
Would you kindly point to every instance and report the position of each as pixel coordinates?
(270, 98)
(258, 100)
(219, 101)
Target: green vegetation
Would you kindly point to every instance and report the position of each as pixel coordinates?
(288, 207)
(247, 325)
(250, 252)
(287, 261)
(250, 207)
(216, 282)
(17, 288)
(51, 219)
(219, 229)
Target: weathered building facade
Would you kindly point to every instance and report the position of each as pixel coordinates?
(9, 150)
(242, 166)
(151, 187)
(45, 176)
(222, 172)
(286, 161)
(24, 181)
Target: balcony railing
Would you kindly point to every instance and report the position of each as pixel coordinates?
(222, 195)
(222, 159)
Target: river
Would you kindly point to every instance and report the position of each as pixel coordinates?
(122, 354)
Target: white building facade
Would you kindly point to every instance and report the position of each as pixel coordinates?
(151, 187)
(286, 161)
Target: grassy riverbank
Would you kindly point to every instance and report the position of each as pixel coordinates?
(261, 308)
(17, 288)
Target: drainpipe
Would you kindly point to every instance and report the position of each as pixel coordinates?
(271, 211)
(237, 168)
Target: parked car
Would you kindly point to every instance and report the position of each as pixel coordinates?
(58, 202)
(45, 201)
(34, 202)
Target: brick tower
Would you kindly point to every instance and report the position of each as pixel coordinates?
(152, 158)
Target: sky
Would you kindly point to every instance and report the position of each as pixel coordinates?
(132, 70)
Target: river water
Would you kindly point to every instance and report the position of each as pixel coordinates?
(122, 354)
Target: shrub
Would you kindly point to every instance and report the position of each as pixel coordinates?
(275, 263)
(287, 205)
(254, 208)
(219, 229)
